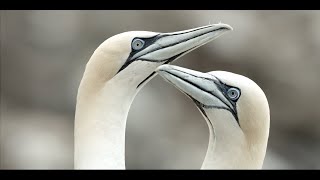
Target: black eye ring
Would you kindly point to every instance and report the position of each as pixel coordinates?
(233, 93)
(137, 44)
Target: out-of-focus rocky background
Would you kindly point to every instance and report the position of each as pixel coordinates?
(44, 53)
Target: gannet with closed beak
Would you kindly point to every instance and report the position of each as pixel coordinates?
(236, 111)
(115, 73)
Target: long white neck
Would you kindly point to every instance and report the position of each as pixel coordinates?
(228, 147)
(100, 124)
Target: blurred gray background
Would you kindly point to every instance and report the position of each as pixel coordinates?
(44, 53)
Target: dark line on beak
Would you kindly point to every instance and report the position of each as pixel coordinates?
(129, 61)
(195, 85)
(184, 40)
(169, 34)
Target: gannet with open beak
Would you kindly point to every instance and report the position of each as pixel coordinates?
(115, 73)
(236, 111)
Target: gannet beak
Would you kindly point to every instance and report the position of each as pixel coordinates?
(166, 47)
(203, 88)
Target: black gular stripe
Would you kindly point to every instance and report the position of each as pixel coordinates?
(151, 40)
(145, 79)
(166, 62)
(232, 110)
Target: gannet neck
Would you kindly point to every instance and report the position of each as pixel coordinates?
(100, 127)
(115, 73)
(227, 147)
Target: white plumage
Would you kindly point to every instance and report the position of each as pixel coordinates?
(237, 113)
(115, 73)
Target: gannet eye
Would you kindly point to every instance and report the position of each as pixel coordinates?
(233, 93)
(137, 44)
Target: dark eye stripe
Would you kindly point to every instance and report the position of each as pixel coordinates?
(147, 42)
(224, 89)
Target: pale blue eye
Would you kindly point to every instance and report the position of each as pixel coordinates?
(137, 44)
(233, 93)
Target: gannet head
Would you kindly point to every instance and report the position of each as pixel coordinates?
(234, 106)
(130, 58)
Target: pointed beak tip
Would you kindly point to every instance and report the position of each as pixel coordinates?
(230, 28)
(158, 69)
(222, 26)
(164, 67)
(226, 26)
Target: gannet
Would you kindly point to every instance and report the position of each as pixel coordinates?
(236, 111)
(113, 76)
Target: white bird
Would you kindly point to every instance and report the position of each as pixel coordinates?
(236, 111)
(115, 73)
